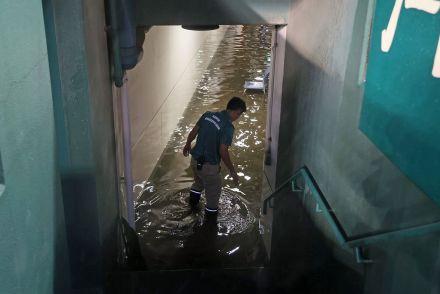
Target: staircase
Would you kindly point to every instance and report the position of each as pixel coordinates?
(302, 260)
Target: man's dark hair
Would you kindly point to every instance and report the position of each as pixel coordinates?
(236, 103)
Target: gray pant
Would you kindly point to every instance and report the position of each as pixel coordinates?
(208, 179)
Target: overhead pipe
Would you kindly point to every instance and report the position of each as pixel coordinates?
(125, 48)
(127, 34)
(117, 72)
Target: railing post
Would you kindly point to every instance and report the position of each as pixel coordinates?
(360, 256)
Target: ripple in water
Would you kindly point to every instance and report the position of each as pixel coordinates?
(166, 212)
(174, 236)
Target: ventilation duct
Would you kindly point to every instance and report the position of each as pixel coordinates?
(200, 27)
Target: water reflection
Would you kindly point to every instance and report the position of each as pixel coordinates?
(171, 234)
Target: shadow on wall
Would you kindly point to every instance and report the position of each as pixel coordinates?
(411, 265)
(62, 277)
(302, 258)
(296, 117)
(78, 255)
(82, 228)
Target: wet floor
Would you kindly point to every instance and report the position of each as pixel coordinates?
(170, 234)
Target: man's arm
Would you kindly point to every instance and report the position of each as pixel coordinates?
(192, 135)
(224, 154)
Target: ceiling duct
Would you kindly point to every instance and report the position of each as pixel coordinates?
(200, 27)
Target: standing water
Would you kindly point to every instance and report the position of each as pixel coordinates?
(171, 234)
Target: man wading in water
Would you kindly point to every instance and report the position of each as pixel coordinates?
(214, 132)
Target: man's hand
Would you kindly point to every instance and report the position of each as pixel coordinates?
(235, 178)
(192, 135)
(224, 154)
(186, 149)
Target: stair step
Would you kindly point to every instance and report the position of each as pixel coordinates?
(245, 280)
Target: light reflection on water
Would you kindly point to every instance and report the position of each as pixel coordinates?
(172, 235)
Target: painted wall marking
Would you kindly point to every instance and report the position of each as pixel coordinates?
(436, 67)
(429, 6)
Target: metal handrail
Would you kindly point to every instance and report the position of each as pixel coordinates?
(267, 201)
(356, 242)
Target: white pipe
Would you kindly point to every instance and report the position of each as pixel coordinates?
(127, 154)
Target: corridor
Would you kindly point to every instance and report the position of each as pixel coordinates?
(170, 233)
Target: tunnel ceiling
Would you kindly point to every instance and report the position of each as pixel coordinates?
(203, 12)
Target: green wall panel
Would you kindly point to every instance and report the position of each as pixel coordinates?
(27, 205)
(401, 106)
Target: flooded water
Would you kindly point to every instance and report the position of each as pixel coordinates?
(170, 233)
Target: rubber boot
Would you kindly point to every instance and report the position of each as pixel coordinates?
(211, 215)
(194, 198)
(210, 221)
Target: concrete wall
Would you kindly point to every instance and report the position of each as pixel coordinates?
(102, 126)
(319, 128)
(85, 137)
(31, 210)
(159, 89)
(214, 12)
(58, 204)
